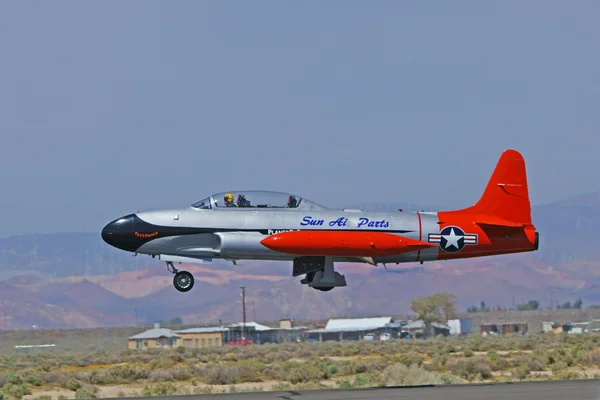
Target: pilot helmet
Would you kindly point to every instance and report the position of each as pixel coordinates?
(228, 197)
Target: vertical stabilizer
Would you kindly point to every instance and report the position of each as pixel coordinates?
(506, 197)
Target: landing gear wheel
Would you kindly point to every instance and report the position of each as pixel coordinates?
(324, 289)
(183, 281)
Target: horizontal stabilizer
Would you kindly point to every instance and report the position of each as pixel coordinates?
(342, 243)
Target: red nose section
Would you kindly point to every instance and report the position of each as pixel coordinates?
(342, 244)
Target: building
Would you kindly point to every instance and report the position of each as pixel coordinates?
(216, 336)
(417, 329)
(152, 339)
(202, 337)
(286, 323)
(255, 332)
(349, 328)
(394, 329)
(260, 334)
(519, 328)
(461, 326)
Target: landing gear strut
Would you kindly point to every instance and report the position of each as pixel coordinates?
(320, 273)
(183, 280)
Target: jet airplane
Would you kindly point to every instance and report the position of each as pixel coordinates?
(263, 225)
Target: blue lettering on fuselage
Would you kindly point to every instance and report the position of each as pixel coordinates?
(373, 224)
(343, 221)
(312, 222)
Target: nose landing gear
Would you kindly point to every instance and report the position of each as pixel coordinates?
(183, 280)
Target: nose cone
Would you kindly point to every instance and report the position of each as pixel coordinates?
(122, 233)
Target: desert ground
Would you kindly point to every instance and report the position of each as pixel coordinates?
(97, 367)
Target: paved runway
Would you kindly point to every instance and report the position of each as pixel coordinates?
(548, 390)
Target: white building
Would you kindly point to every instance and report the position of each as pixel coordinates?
(349, 328)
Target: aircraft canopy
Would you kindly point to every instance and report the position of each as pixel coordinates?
(256, 199)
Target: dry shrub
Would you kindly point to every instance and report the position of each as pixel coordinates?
(521, 372)
(527, 344)
(162, 363)
(568, 375)
(160, 389)
(221, 374)
(161, 376)
(250, 370)
(410, 359)
(558, 368)
(592, 357)
(303, 353)
(534, 364)
(230, 357)
(118, 375)
(502, 364)
(353, 367)
(560, 355)
(280, 356)
(379, 364)
(436, 364)
(471, 368)
(50, 378)
(400, 375)
(310, 371)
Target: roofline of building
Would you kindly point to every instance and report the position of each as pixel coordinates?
(140, 336)
(349, 329)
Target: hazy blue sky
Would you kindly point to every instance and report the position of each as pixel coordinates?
(111, 107)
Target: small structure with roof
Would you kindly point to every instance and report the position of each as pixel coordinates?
(154, 338)
(286, 323)
(255, 332)
(394, 329)
(417, 329)
(211, 336)
(349, 328)
(506, 328)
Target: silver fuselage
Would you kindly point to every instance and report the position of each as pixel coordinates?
(236, 233)
(221, 230)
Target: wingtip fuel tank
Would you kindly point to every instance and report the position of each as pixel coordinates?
(342, 243)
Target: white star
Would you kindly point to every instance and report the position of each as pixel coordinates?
(451, 239)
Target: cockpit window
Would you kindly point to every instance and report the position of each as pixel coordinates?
(256, 199)
(203, 204)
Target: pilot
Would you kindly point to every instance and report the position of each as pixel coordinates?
(228, 198)
(292, 202)
(242, 201)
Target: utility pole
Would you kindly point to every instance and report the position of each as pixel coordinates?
(244, 311)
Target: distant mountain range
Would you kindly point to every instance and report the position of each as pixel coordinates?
(75, 280)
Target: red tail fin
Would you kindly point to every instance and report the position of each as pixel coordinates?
(506, 196)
